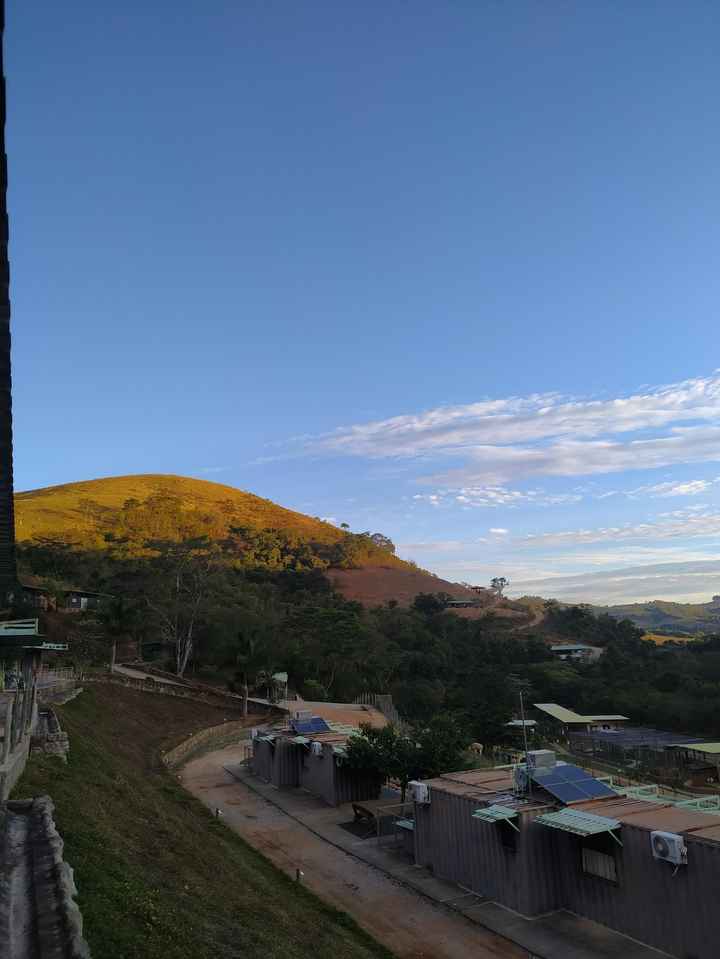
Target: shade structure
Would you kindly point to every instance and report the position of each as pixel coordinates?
(579, 823)
(497, 813)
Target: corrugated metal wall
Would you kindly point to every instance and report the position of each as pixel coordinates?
(286, 763)
(471, 853)
(262, 760)
(353, 787)
(678, 913)
(317, 774)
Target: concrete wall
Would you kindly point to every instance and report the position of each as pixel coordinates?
(12, 769)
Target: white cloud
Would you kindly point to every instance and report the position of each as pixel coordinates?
(494, 496)
(527, 419)
(687, 488)
(694, 582)
(499, 531)
(330, 519)
(687, 523)
(500, 464)
(213, 469)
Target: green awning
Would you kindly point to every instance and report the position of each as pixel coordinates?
(579, 823)
(497, 813)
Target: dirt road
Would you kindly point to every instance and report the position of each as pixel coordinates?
(408, 924)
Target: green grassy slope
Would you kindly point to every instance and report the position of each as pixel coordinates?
(158, 876)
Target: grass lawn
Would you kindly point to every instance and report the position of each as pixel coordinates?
(157, 875)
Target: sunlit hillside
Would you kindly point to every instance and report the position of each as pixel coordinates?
(154, 506)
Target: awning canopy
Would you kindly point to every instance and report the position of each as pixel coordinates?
(496, 813)
(579, 823)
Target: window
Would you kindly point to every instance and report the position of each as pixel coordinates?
(508, 836)
(599, 857)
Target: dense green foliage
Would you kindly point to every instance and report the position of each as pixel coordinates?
(244, 623)
(158, 876)
(420, 752)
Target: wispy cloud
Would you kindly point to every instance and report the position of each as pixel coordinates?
(547, 434)
(688, 523)
(213, 469)
(662, 490)
(684, 582)
(494, 496)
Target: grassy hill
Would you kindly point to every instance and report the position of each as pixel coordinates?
(155, 506)
(668, 617)
(84, 511)
(158, 877)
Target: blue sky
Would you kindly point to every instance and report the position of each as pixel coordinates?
(444, 270)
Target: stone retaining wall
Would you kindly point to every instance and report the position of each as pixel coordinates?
(207, 696)
(215, 737)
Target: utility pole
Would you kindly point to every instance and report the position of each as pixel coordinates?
(8, 569)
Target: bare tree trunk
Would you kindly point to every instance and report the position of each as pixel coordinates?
(245, 696)
(113, 652)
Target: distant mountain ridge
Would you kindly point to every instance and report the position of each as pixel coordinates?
(670, 617)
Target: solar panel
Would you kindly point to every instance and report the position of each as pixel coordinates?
(571, 784)
(304, 726)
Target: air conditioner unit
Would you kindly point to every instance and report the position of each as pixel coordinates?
(302, 714)
(316, 748)
(669, 847)
(418, 792)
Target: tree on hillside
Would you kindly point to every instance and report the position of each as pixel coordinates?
(121, 618)
(253, 659)
(499, 584)
(179, 590)
(421, 753)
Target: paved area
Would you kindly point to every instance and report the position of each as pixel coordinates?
(409, 924)
(395, 900)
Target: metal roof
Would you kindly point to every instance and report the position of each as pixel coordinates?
(710, 749)
(560, 713)
(608, 716)
(578, 822)
(564, 715)
(495, 813)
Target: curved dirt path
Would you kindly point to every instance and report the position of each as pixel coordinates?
(411, 926)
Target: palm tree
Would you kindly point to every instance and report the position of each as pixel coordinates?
(8, 571)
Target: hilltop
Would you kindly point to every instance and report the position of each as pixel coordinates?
(668, 617)
(153, 505)
(97, 514)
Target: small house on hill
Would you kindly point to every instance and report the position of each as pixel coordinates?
(74, 599)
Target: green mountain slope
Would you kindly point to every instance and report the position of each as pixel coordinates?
(670, 617)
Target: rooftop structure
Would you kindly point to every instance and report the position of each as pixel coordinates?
(641, 865)
(569, 718)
